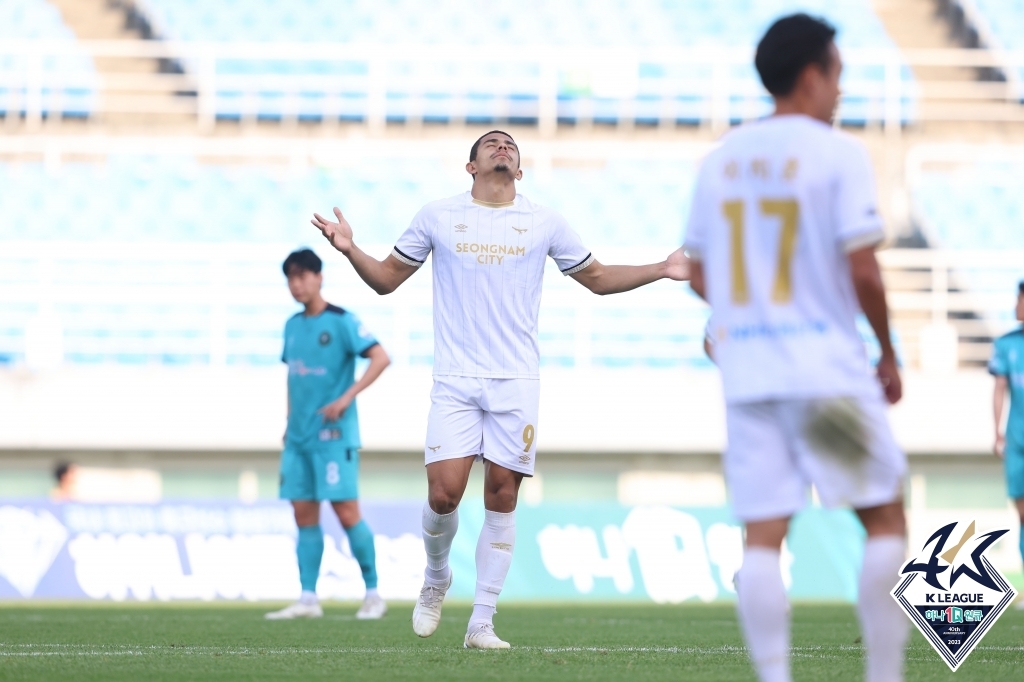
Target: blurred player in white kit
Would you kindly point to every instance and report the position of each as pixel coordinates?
(489, 246)
(782, 233)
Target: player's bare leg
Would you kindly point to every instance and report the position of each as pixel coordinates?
(446, 483)
(761, 600)
(493, 553)
(883, 627)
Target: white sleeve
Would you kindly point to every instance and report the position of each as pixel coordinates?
(857, 222)
(567, 248)
(694, 240)
(413, 247)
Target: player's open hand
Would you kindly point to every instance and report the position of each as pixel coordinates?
(678, 266)
(999, 447)
(889, 376)
(339, 234)
(333, 410)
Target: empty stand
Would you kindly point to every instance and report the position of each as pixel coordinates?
(999, 25)
(178, 262)
(601, 61)
(59, 80)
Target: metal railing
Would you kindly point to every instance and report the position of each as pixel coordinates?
(715, 86)
(970, 292)
(226, 303)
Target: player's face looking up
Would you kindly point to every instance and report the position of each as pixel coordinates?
(303, 284)
(495, 154)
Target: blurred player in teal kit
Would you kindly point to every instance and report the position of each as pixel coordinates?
(1007, 365)
(321, 451)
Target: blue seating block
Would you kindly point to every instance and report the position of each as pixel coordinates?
(69, 80)
(427, 90)
(149, 201)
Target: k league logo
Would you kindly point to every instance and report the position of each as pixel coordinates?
(952, 593)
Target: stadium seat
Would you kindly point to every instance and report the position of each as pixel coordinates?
(69, 80)
(976, 207)
(142, 307)
(1000, 26)
(490, 89)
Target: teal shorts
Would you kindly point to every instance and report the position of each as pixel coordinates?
(328, 471)
(1013, 460)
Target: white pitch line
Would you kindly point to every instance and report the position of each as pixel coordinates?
(93, 650)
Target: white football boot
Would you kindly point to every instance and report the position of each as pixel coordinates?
(427, 614)
(481, 636)
(373, 608)
(297, 610)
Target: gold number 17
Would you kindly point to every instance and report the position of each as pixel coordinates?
(788, 211)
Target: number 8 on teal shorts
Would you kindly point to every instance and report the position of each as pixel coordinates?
(324, 472)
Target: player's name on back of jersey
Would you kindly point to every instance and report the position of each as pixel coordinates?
(762, 169)
(489, 254)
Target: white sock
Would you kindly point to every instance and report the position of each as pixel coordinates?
(308, 598)
(371, 593)
(884, 627)
(482, 613)
(764, 613)
(493, 559)
(438, 533)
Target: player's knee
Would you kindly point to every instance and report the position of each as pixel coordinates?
(501, 496)
(442, 501)
(307, 515)
(348, 515)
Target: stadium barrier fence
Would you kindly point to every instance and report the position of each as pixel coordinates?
(712, 85)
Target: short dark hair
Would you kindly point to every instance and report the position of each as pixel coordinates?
(476, 145)
(303, 259)
(60, 470)
(788, 47)
(1020, 288)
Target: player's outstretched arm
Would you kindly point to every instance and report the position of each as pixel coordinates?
(614, 279)
(867, 281)
(382, 276)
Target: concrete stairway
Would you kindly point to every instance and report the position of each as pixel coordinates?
(108, 20)
(958, 92)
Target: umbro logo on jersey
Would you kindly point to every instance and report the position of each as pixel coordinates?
(433, 448)
(461, 228)
(524, 458)
(520, 230)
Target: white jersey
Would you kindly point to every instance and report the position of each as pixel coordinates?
(488, 271)
(778, 206)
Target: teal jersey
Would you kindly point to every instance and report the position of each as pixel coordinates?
(1008, 361)
(321, 356)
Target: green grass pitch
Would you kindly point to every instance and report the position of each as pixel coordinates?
(634, 642)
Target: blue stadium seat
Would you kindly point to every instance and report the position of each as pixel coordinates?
(655, 91)
(976, 207)
(178, 201)
(1000, 24)
(69, 79)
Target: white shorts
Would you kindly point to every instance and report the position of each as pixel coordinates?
(777, 448)
(495, 419)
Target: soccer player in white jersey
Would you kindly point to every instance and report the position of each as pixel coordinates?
(782, 234)
(489, 245)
